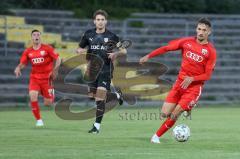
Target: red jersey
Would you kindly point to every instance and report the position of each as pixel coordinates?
(198, 61)
(42, 61)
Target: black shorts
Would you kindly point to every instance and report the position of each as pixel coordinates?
(103, 80)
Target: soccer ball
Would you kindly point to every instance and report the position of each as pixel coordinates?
(181, 133)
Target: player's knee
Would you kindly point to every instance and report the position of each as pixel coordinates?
(101, 94)
(33, 96)
(47, 102)
(176, 113)
(33, 99)
(174, 116)
(99, 98)
(165, 115)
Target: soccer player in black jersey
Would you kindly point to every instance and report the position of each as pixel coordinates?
(93, 42)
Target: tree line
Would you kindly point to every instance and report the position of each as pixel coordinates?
(120, 9)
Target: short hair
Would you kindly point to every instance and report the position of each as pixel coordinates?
(100, 12)
(35, 30)
(205, 21)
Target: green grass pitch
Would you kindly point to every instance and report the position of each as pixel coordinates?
(125, 133)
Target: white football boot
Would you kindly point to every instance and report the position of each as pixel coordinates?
(39, 123)
(155, 139)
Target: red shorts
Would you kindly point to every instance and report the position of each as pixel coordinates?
(44, 86)
(186, 98)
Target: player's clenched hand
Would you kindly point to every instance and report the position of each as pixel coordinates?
(17, 72)
(112, 56)
(80, 50)
(186, 82)
(143, 59)
(54, 74)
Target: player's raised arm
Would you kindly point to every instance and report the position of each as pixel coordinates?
(121, 48)
(171, 46)
(122, 51)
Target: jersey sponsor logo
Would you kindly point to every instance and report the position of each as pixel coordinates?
(204, 51)
(38, 60)
(105, 40)
(194, 56)
(42, 53)
(97, 47)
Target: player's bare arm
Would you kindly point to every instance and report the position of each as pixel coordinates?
(186, 82)
(56, 68)
(18, 69)
(81, 50)
(172, 46)
(154, 53)
(114, 55)
(143, 59)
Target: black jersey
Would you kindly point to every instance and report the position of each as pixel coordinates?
(95, 44)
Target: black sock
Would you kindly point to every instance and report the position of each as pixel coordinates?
(100, 110)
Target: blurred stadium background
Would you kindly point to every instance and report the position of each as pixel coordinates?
(148, 30)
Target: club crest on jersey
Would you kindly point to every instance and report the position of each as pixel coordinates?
(42, 53)
(105, 40)
(204, 51)
(189, 45)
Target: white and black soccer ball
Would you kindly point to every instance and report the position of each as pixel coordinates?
(181, 133)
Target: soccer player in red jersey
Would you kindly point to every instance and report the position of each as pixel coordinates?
(42, 58)
(198, 62)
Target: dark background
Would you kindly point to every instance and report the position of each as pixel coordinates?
(120, 9)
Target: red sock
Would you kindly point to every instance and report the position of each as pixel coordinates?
(165, 126)
(36, 110)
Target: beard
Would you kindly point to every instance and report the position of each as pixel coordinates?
(200, 38)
